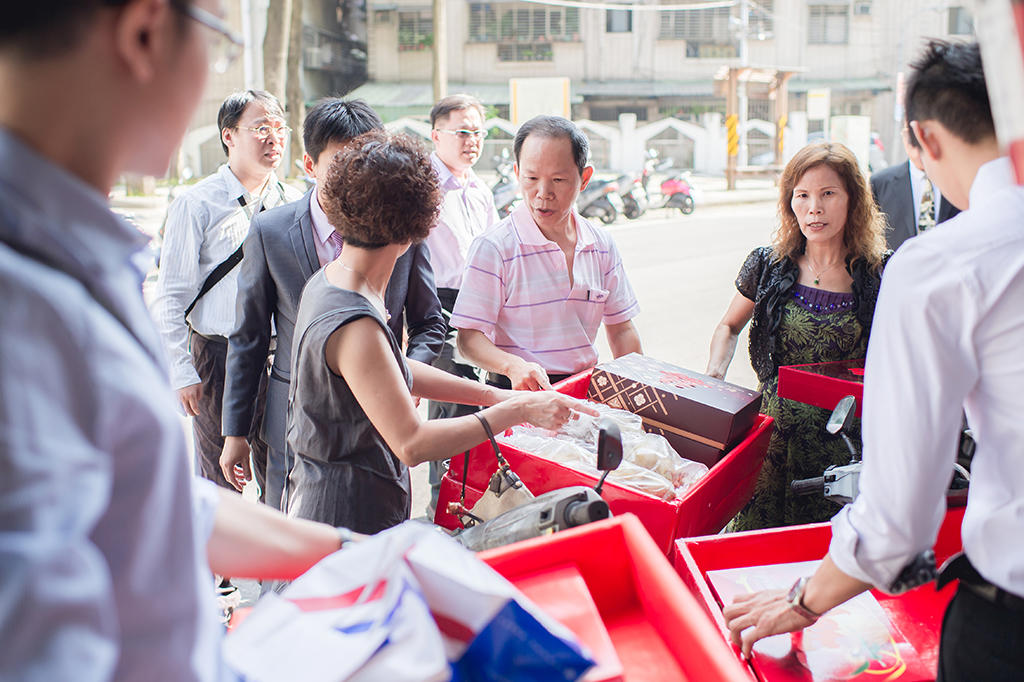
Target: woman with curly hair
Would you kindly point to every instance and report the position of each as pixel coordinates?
(352, 423)
(809, 298)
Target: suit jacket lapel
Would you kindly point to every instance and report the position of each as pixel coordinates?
(301, 234)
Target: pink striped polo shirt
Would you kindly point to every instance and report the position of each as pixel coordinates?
(516, 291)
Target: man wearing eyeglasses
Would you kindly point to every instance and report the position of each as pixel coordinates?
(106, 539)
(194, 303)
(467, 210)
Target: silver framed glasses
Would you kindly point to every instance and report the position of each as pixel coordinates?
(464, 134)
(264, 131)
(224, 44)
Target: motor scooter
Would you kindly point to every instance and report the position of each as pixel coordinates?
(678, 193)
(549, 513)
(841, 483)
(600, 199)
(506, 189)
(633, 195)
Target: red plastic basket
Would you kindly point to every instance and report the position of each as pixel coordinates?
(706, 507)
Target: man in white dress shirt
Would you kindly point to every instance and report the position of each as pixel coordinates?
(948, 330)
(194, 304)
(467, 210)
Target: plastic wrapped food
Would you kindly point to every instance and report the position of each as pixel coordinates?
(648, 464)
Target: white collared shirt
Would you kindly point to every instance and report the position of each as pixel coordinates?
(322, 230)
(467, 211)
(917, 180)
(517, 291)
(204, 226)
(948, 332)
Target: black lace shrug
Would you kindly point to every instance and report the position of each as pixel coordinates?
(769, 284)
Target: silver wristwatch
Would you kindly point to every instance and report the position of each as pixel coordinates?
(796, 600)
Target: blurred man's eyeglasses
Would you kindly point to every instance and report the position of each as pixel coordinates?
(224, 45)
(463, 133)
(265, 131)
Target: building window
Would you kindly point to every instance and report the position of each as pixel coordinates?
(960, 22)
(525, 52)
(762, 19)
(828, 25)
(707, 32)
(522, 22)
(618, 21)
(415, 31)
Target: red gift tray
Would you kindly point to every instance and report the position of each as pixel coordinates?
(916, 615)
(656, 627)
(705, 508)
(823, 384)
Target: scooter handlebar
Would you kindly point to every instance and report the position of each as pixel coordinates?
(808, 486)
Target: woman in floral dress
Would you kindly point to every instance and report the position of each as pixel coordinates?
(809, 297)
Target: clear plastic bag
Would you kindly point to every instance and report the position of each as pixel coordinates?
(649, 463)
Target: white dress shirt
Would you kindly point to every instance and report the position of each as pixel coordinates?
(467, 211)
(322, 231)
(948, 331)
(103, 569)
(917, 180)
(204, 226)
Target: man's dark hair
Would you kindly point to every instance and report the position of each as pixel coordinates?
(947, 85)
(232, 108)
(447, 105)
(382, 190)
(555, 126)
(43, 28)
(333, 119)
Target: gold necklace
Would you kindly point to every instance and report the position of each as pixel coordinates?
(383, 305)
(819, 273)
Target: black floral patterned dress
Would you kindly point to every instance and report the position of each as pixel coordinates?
(795, 324)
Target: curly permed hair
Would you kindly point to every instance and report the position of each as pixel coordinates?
(864, 233)
(382, 190)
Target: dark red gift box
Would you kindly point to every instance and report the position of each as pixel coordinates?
(701, 417)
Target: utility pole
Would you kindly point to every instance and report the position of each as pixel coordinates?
(440, 49)
(742, 90)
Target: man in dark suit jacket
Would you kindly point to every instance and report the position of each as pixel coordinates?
(894, 193)
(284, 248)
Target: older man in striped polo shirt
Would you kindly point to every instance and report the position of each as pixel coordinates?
(539, 284)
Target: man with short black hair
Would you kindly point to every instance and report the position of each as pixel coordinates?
(284, 248)
(539, 285)
(106, 539)
(909, 199)
(947, 333)
(196, 289)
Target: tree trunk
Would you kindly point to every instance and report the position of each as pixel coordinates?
(296, 103)
(275, 47)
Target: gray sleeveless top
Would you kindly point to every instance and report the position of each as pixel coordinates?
(343, 473)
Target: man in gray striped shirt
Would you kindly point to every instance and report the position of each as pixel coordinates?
(194, 304)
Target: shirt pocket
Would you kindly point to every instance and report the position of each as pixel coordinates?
(596, 295)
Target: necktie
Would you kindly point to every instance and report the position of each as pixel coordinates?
(336, 243)
(926, 213)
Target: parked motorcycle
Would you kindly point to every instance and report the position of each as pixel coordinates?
(600, 199)
(677, 193)
(506, 189)
(634, 197)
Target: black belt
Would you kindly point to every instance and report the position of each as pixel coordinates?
(959, 567)
(210, 337)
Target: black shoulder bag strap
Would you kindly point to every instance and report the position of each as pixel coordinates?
(221, 270)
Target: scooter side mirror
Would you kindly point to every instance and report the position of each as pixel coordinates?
(609, 445)
(842, 416)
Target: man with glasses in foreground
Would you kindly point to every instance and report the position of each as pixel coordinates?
(467, 210)
(194, 303)
(106, 540)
